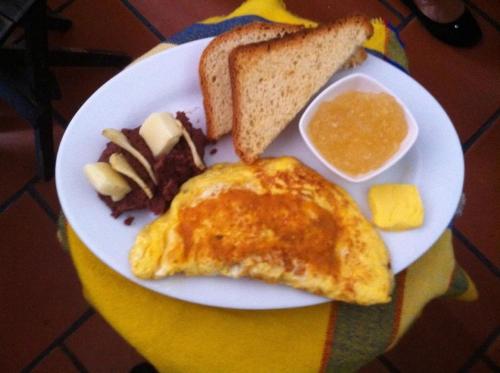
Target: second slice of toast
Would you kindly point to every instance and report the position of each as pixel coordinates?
(272, 81)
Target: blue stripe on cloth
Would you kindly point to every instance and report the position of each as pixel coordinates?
(396, 33)
(200, 30)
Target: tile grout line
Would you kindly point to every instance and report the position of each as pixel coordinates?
(480, 351)
(14, 197)
(480, 131)
(59, 340)
(392, 9)
(388, 364)
(483, 14)
(490, 363)
(143, 20)
(74, 359)
(474, 250)
(42, 202)
(405, 22)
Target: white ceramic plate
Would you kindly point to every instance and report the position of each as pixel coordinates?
(169, 82)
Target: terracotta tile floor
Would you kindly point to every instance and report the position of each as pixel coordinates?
(52, 329)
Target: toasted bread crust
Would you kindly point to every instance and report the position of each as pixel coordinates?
(243, 55)
(236, 95)
(239, 34)
(357, 58)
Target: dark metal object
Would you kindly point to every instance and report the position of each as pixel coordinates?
(26, 82)
(10, 56)
(57, 23)
(37, 68)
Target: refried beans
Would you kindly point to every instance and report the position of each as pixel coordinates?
(171, 170)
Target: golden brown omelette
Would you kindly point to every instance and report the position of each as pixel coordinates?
(275, 220)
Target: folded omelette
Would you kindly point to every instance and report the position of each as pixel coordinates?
(275, 220)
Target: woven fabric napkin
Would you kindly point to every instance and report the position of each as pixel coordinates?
(177, 336)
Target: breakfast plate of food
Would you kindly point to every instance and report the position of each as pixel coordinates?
(187, 172)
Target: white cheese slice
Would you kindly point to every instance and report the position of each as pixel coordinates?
(161, 133)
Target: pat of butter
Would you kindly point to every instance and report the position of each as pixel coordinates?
(396, 206)
(161, 132)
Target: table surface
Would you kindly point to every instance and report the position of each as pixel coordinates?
(66, 333)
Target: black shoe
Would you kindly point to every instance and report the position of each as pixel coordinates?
(463, 32)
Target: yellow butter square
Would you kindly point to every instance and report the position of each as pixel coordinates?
(396, 206)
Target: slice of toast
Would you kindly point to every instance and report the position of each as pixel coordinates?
(272, 81)
(214, 71)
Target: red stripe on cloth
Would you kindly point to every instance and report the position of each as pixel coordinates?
(327, 348)
(399, 294)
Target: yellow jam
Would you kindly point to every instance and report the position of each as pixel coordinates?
(358, 132)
